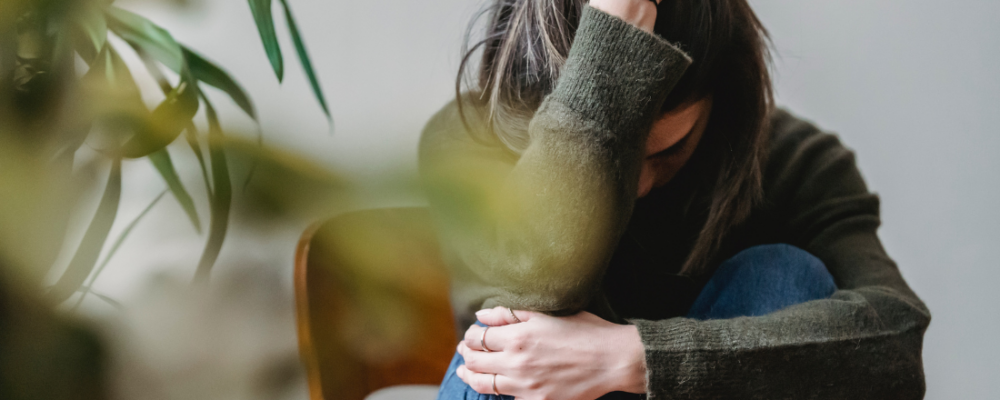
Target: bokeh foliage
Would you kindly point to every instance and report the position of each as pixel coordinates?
(63, 84)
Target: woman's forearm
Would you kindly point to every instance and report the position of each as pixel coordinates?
(550, 222)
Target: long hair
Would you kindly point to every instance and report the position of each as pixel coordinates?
(526, 43)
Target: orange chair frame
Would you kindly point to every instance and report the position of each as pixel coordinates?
(371, 298)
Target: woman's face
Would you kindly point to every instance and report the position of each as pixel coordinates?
(672, 140)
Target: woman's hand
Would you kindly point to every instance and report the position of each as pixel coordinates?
(641, 13)
(544, 357)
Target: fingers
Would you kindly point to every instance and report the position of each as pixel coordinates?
(483, 383)
(495, 337)
(482, 362)
(498, 316)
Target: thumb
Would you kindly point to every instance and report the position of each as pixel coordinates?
(498, 316)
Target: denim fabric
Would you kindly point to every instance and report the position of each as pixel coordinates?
(761, 280)
(757, 281)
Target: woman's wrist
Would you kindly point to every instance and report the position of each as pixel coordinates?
(629, 375)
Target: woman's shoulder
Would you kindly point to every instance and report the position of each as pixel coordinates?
(789, 131)
(806, 161)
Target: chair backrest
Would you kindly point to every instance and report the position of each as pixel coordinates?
(372, 310)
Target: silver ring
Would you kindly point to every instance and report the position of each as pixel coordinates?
(495, 391)
(482, 340)
(516, 319)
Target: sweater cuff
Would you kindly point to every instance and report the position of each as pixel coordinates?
(617, 74)
(670, 363)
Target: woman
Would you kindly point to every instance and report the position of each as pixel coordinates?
(630, 215)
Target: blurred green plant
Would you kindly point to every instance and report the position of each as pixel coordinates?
(50, 106)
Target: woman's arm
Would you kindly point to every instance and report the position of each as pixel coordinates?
(536, 232)
(862, 343)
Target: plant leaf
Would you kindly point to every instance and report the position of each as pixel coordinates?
(109, 83)
(203, 70)
(93, 240)
(112, 302)
(191, 134)
(121, 237)
(166, 122)
(154, 69)
(143, 33)
(111, 100)
(300, 48)
(93, 31)
(161, 160)
(262, 16)
(222, 199)
(114, 249)
(109, 300)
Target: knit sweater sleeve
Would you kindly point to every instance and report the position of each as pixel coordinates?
(535, 231)
(862, 343)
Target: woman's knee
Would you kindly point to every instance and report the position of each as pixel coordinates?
(763, 279)
(780, 262)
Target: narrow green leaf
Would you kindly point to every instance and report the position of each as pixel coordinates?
(143, 33)
(300, 47)
(165, 166)
(191, 134)
(109, 300)
(203, 70)
(114, 249)
(166, 122)
(222, 199)
(113, 100)
(93, 31)
(112, 302)
(121, 237)
(110, 83)
(262, 15)
(93, 240)
(154, 69)
(254, 162)
(191, 131)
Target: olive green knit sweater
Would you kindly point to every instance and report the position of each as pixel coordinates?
(538, 231)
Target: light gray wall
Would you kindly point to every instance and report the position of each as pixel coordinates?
(909, 85)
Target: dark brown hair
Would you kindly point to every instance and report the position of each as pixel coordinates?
(525, 46)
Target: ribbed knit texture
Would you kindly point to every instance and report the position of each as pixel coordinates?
(536, 233)
(618, 93)
(539, 231)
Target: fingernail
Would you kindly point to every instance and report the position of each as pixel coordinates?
(483, 312)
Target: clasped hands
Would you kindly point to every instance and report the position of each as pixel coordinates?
(545, 357)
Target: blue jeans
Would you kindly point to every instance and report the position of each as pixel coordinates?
(757, 281)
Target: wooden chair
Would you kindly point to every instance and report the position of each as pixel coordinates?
(372, 309)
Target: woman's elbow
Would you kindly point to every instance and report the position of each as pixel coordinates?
(546, 288)
(901, 366)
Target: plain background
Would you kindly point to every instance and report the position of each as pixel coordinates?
(910, 85)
